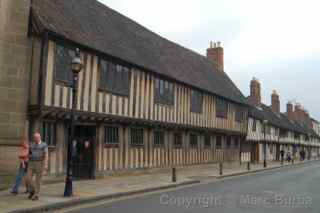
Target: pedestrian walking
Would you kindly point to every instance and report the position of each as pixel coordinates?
(303, 155)
(23, 158)
(282, 155)
(289, 157)
(38, 165)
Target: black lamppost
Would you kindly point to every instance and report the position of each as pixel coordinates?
(76, 67)
(265, 122)
(309, 146)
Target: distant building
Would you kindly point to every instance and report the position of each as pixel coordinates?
(268, 127)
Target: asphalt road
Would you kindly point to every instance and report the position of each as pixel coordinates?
(295, 189)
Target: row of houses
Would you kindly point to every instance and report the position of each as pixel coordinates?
(142, 100)
(272, 131)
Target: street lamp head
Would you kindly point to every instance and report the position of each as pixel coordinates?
(76, 63)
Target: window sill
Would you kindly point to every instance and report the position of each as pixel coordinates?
(158, 146)
(111, 145)
(220, 116)
(196, 112)
(112, 92)
(164, 105)
(136, 145)
(64, 83)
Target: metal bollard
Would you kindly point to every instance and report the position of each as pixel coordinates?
(220, 168)
(292, 161)
(174, 175)
(248, 166)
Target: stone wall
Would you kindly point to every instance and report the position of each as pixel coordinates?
(14, 76)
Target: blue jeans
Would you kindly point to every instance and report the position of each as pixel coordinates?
(21, 173)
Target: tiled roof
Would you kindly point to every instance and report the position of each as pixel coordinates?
(96, 26)
(264, 112)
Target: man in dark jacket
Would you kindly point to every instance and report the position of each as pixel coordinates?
(282, 155)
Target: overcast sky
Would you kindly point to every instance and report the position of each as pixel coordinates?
(274, 41)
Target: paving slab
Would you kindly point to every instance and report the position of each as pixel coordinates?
(116, 186)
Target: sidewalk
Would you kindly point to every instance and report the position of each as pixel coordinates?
(113, 187)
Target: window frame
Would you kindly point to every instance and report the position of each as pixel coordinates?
(191, 142)
(163, 92)
(228, 142)
(206, 137)
(219, 103)
(236, 142)
(115, 75)
(111, 143)
(66, 82)
(196, 101)
(159, 138)
(220, 142)
(53, 133)
(180, 137)
(239, 115)
(133, 130)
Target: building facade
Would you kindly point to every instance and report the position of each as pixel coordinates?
(270, 131)
(14, 77)
(316, 126)
(143, 101)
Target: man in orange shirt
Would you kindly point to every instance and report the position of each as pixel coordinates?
(23, 157)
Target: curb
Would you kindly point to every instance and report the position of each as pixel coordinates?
(262, 170)
(61, 205)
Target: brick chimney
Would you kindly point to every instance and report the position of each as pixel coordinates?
(275, 102)
(255, 92)
(298, 112)
(215, 54)
(290, 112)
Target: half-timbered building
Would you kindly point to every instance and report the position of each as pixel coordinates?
(143, 101)
(270, 131)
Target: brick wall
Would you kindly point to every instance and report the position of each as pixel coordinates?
(255, 92)
(14, 74)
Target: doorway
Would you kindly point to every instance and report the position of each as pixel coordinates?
(83, 149)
